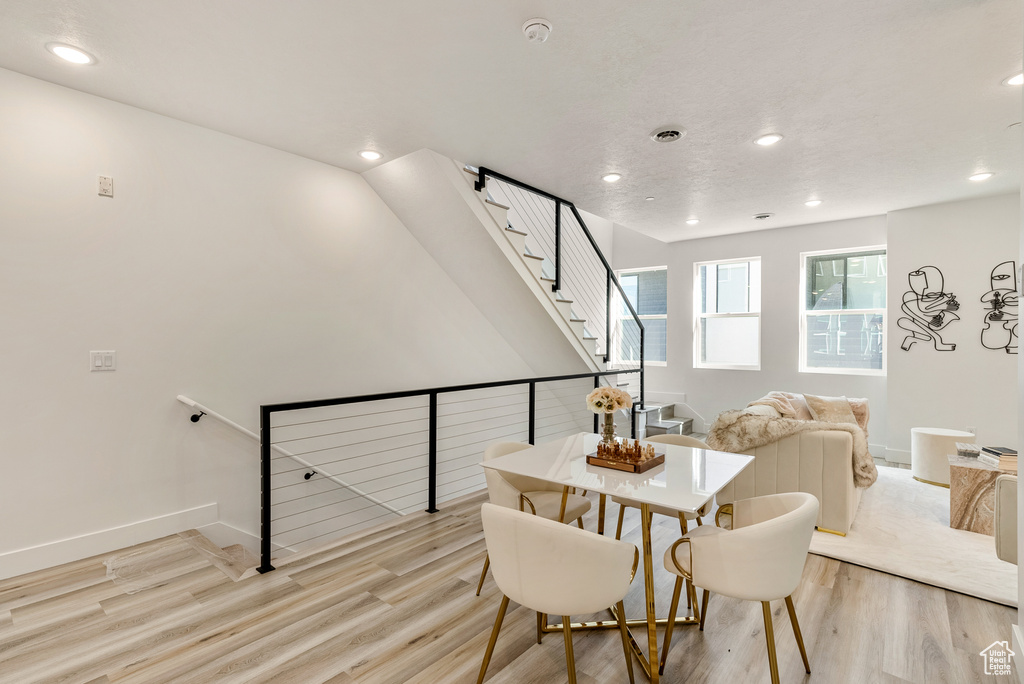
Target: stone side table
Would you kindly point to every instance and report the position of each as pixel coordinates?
(972, 495)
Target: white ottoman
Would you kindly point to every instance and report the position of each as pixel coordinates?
(929, 452)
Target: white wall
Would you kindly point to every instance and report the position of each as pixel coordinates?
(970, 386)
(223, 270)
(709, 392)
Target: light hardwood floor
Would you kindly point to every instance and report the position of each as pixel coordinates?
(397, 605)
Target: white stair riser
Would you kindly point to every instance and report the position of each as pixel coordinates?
(517, 240)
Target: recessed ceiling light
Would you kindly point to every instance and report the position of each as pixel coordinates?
(611, 177)
(692, 222)
(1014, 80)
(981, 176)
(812, 203)
(769, 139)
(370, 155)
(70, 54)
(648, 199)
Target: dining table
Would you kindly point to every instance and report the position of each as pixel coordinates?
(687, 480)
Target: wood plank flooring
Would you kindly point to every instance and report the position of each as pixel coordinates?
(396, 605)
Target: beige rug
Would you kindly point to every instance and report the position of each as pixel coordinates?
(902, 527)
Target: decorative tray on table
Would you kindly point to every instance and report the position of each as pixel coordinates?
(629, 457)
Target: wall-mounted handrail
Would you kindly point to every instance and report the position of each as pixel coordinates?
(267, 445)
(305, 464)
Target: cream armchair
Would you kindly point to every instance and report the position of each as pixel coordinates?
(554, 569)
(760, 559)
(1006, 518)
(527, 494)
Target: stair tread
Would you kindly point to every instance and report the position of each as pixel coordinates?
(550, 280)
(513, 230)
(586, 337)
(578, 320)
(471, 172)
(533, 256)
(564, 301)
(495, 204)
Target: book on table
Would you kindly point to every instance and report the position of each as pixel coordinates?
(999, 451)
(1008, 463)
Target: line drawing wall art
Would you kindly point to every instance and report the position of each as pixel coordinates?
(928, 308)
(1000, 328)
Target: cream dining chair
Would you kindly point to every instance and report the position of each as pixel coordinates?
(760, 559)
(554, 569)
(527, 494)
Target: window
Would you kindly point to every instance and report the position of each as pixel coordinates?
(647, 291)
(842, 321)
(727, 306)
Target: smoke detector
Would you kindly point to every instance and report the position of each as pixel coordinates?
(537, 30)
(762, 217)
(667, 134)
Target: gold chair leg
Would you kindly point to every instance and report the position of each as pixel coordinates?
(541, 619)
(671, 624)
(494, 638)
(699, 521)
(769, 635)
(579, 523)
(483, 573)
(796, 631)
(704, 608)
(600, 513)
(624, 631)
(682, 523)
(692, 591)
(618, 528)
(570, 659)
(689, 604)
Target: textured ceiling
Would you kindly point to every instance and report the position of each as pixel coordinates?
(883, 105)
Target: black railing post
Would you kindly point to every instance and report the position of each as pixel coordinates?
(481, 180)
(265, 489)
(558, 247)
(641, 366)
(632, 422)
(532, 430)
(432, 468)
(597, 383)
(608, 321)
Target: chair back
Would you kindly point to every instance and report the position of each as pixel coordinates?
(555, 568)
(762, 558)
(520, 483)
(678, 440)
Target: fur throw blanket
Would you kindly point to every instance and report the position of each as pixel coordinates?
(737, 431)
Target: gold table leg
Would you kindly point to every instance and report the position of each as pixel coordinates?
(652, 626)
(565, 499)
(600, 514)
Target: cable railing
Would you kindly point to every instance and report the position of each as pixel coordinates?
(399, 452)
(574, 262)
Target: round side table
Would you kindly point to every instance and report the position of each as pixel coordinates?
(929, 453)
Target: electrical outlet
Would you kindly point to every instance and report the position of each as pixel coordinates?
(106, 186)
(102, 361)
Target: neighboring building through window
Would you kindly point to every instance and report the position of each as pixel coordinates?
(727, 306)
(842, 320)
(647, 290)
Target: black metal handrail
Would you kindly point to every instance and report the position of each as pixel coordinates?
(483, 173)
(268, 410)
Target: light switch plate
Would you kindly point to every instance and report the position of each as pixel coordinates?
(106, 186)
(101, 361)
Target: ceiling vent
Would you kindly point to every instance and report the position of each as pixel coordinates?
(762, 217)
(667, 134)
(536, 30)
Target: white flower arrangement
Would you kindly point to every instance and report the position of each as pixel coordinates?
(608, 400)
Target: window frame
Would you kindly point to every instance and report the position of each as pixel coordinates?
(699, 316)
(804, 313)
(663, 317)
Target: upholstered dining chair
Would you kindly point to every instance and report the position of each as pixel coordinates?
(760, 559)
(554, 569)
(624, 503)
(527, 494)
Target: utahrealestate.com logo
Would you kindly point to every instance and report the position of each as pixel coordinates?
(997, 657)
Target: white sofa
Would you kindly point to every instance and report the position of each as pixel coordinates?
(818, 462)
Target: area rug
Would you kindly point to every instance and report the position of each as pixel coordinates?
(902, 528)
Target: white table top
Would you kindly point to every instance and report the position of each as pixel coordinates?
(687, 480)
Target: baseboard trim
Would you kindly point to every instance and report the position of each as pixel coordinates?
(897, 456)
(20, 561)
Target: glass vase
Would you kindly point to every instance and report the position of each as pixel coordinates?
(608, 434)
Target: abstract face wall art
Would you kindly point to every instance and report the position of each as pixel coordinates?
(928, 309)
(999, 329)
